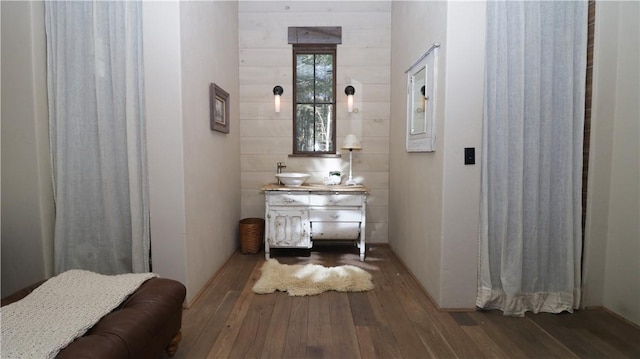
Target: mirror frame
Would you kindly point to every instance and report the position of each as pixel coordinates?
(422, 79)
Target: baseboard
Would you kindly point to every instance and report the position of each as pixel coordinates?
(618, 316)
(204, 288)
(424, 290)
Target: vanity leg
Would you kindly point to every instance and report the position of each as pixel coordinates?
(266, 250)
(362, 246)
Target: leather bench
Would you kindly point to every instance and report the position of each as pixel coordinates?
(145, 325)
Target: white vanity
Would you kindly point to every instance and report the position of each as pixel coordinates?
(296, 217)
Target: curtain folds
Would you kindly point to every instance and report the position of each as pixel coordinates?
(530, 237)
(97, 130)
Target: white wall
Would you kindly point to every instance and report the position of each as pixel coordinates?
(435, 198)
(27, 199)
(209, 51)
(363, 61)
(415, 205)
(194, 172)
(463, 128)
(163, 104)
(612, 253)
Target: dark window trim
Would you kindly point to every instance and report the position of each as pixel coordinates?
(314, 49)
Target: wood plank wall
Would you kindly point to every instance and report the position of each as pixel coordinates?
(363, 61)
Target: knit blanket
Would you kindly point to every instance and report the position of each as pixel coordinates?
(62, 309)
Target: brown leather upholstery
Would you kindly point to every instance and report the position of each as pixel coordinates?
(143, 326)
(20, 294)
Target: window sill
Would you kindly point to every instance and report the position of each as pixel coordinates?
(321, 155)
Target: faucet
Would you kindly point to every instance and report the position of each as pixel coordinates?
(279, 170)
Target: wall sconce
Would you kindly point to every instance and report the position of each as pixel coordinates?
(350, 91)
(351, 143)
(277, 92)
(424, 101)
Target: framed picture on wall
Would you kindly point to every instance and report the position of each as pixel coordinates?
(218, 109)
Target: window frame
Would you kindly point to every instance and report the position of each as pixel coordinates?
(315, 49)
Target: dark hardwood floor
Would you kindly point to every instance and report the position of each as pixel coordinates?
(395, 320)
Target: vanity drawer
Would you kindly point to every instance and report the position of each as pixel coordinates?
(336, 199)
(335, 230)
(335, 215)
(289, 199)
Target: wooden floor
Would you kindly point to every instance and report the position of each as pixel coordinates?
(395, 320)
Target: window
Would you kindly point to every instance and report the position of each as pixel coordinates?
(314, 89)
(314, 122)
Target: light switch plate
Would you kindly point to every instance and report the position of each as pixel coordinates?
(469, 156)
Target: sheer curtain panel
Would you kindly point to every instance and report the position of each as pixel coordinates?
(97, 129)
(530, 238)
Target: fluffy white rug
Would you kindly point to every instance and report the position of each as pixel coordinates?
(311, 279)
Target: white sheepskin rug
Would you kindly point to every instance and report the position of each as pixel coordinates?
(311, 279)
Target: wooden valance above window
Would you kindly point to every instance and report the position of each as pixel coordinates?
(315, 35)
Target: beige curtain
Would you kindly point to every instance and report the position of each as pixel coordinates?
(530, 246)
(97, 128)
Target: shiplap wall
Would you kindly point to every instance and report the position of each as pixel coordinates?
(363, 61)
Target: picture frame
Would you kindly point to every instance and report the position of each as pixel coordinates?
(218, 109)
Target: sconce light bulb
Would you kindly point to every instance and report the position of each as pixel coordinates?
(349, 91)
(277, 92)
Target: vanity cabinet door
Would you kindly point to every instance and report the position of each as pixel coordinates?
(288, 227)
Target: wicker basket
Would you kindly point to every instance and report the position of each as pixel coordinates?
(251, 235)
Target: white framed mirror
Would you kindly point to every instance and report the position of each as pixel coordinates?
(421, 101)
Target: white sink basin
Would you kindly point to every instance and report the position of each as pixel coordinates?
(293, 179)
